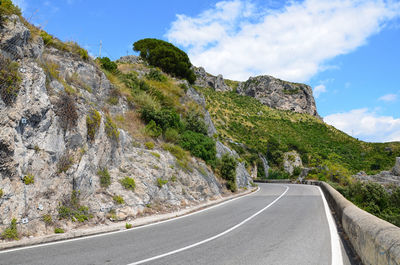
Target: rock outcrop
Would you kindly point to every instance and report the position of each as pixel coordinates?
(279, 94)
(384, 178)
(396, 168)
(62, 159)
(207, 80)
(291, 160)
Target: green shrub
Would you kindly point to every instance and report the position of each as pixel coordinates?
(65, 162)
(93, 120)
(278, 174)
(128, 226)
(47, 38)
(149, 145)
(152, 129)
(1, 193)
(164, 118)
(72, 209)
(227, 170)
(156, 75)
(111, 129)
(297, 171)
(9, 80)
(105, 178)
(161, 182)
(169, 58)
(107, 64)
(128, 183)
(171, 135)
(118, 199)
(11, 232)
(173, 178)
(47, 219)
(199, 145)
(195, 122)
(58, 230)
(28, 179)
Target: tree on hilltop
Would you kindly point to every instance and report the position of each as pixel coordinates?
(169, 58)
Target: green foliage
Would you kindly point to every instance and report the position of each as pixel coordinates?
(128, 183)
(156, 75)
(227, 169)
(47, 219)
(111, 129)
(28, 179)
(297, 171)
(65, 162)
(71, 209)
(152, 129)
(11, 232)
(161, 182)
(199, 145)
(155, 154)
(194, 122)
(171, 135)
(373, 198)
(58, 230)
(274, 132)
(128, 226)
(260, 169)
(8, 8)
(107, 64)
(93, 120)
(105, 178)
(9, 80)
(169, 58)
(149, 145)
(118, 199)
(1, 193)
(164, 118)
(278, 174)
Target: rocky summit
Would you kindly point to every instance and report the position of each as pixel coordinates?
(279, 94)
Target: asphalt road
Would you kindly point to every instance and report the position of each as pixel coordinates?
(280, 224)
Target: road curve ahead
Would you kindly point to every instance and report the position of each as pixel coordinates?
(280, 224)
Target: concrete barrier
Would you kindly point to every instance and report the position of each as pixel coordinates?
(376, 241)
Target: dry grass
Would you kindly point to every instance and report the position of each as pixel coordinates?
(133, 124)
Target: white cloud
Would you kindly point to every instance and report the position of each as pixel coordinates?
(318, 90)
(388, 98)
(238, 39)
(366, 125)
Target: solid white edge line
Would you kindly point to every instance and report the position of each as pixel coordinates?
(128, 230)
(211, 238)
(336, 250)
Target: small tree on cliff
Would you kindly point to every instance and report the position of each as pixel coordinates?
(169, 58)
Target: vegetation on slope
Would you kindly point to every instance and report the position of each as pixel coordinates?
(272, 132)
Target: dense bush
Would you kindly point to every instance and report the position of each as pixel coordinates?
(227, 170)
(152, 129)
(107, 64)
(195, 122)
(164, 118)
(200, 146)
(9, 80)
(169, 58)
(171, 135)
(11, 232)
(278, 174)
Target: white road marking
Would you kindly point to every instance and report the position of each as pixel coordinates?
(211, 238)
(336, 250)
(126, 230)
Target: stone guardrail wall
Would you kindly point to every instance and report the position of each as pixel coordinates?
(376, 241)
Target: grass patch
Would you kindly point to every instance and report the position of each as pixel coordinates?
(155, 154)
(111, 129)
(59, 230)
(93, 120)
(11, 232)
(10, 80)
(105, 178)
(118, 199)
(72, 209)
(128, 226)
(29, 179)
(65, 162)
(161, 182)
(149, 145)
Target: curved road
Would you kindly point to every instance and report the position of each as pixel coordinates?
(280, 224)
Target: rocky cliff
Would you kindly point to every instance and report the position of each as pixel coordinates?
(270, 91)
(62, 155)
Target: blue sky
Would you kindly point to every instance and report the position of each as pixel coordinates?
(347, 51)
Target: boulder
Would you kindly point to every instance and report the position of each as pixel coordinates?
(396, 168)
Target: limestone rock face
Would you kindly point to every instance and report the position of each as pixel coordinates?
(33, 142)
(206, 80)
(291, 160)
(279, 94)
